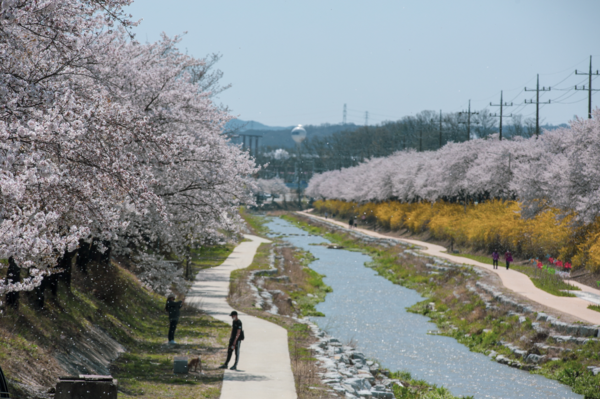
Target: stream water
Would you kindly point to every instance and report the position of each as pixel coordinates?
(371, 311)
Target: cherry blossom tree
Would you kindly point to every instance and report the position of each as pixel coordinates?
(558, 169)
(200, 178)
(105, 139)
(62, 141)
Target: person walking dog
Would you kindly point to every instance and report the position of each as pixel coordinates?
(508, 258)
(235, 340)
(173, 307)
(495, 257)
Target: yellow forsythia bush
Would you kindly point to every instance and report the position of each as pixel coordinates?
(490, 225)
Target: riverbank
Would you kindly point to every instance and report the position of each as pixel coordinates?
(465, 316)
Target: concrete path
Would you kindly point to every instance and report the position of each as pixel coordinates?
(511, 279)
(264, 369)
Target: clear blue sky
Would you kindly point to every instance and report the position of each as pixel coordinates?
(299, 62)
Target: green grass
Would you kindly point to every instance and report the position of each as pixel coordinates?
(207, 257)
(479, 258)
(132, 315)
(147, 368)
(543, 280)
(419, 389)
(594, 307)
(255, 222)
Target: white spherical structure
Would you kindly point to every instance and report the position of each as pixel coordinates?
(298, 134)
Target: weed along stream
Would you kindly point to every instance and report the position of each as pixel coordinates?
(371, 311)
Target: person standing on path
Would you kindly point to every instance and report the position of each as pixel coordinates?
(173, 307)
(508, 258)
(235, 340)
(350, 223)
(495, 257)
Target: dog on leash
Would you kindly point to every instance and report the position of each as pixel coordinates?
(195, 363)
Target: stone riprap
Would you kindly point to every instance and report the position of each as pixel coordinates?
(349, 372)
(572, 330)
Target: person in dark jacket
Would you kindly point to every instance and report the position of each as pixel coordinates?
(508, 257)
(495, 257)
(173, 307)
(235, 341)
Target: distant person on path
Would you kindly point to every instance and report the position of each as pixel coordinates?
(508, 258)
(495, 257)
(235, 340)
(173, 307)
(325, 215)
(350, 223)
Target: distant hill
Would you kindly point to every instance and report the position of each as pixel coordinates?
(280, 137)
(240, 125)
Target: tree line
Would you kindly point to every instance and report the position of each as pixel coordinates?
(350, 147)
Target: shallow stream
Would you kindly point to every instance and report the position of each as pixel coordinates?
(371, 311)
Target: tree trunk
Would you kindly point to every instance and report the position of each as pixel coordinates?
(83, 256)
(66, 263)
(14, 275)
(39, 298)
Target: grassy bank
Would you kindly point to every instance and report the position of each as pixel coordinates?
(31, 339)
(461, 314)
(543, 280)
(207, 257)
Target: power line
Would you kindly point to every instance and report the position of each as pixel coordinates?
(468, 122)
(570, 68)
(537, 103)
(590, 74)
(501, 105)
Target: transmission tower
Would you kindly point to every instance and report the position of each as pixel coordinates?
(501, 105)
(366, 118)
(344, 118)
(537, 103)
(468, 122)
(589, 88)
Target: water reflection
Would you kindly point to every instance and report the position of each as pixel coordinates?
(370, 310)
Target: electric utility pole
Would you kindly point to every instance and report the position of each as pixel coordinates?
(589, 88)
(344, 119)
(440, 128)
(537, 103)
(468, 122)
(502, 105)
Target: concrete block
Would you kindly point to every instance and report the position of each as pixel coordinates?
(180, 365)
(86, 387)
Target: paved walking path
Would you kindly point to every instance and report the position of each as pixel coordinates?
(264, 369)
(511, 279)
